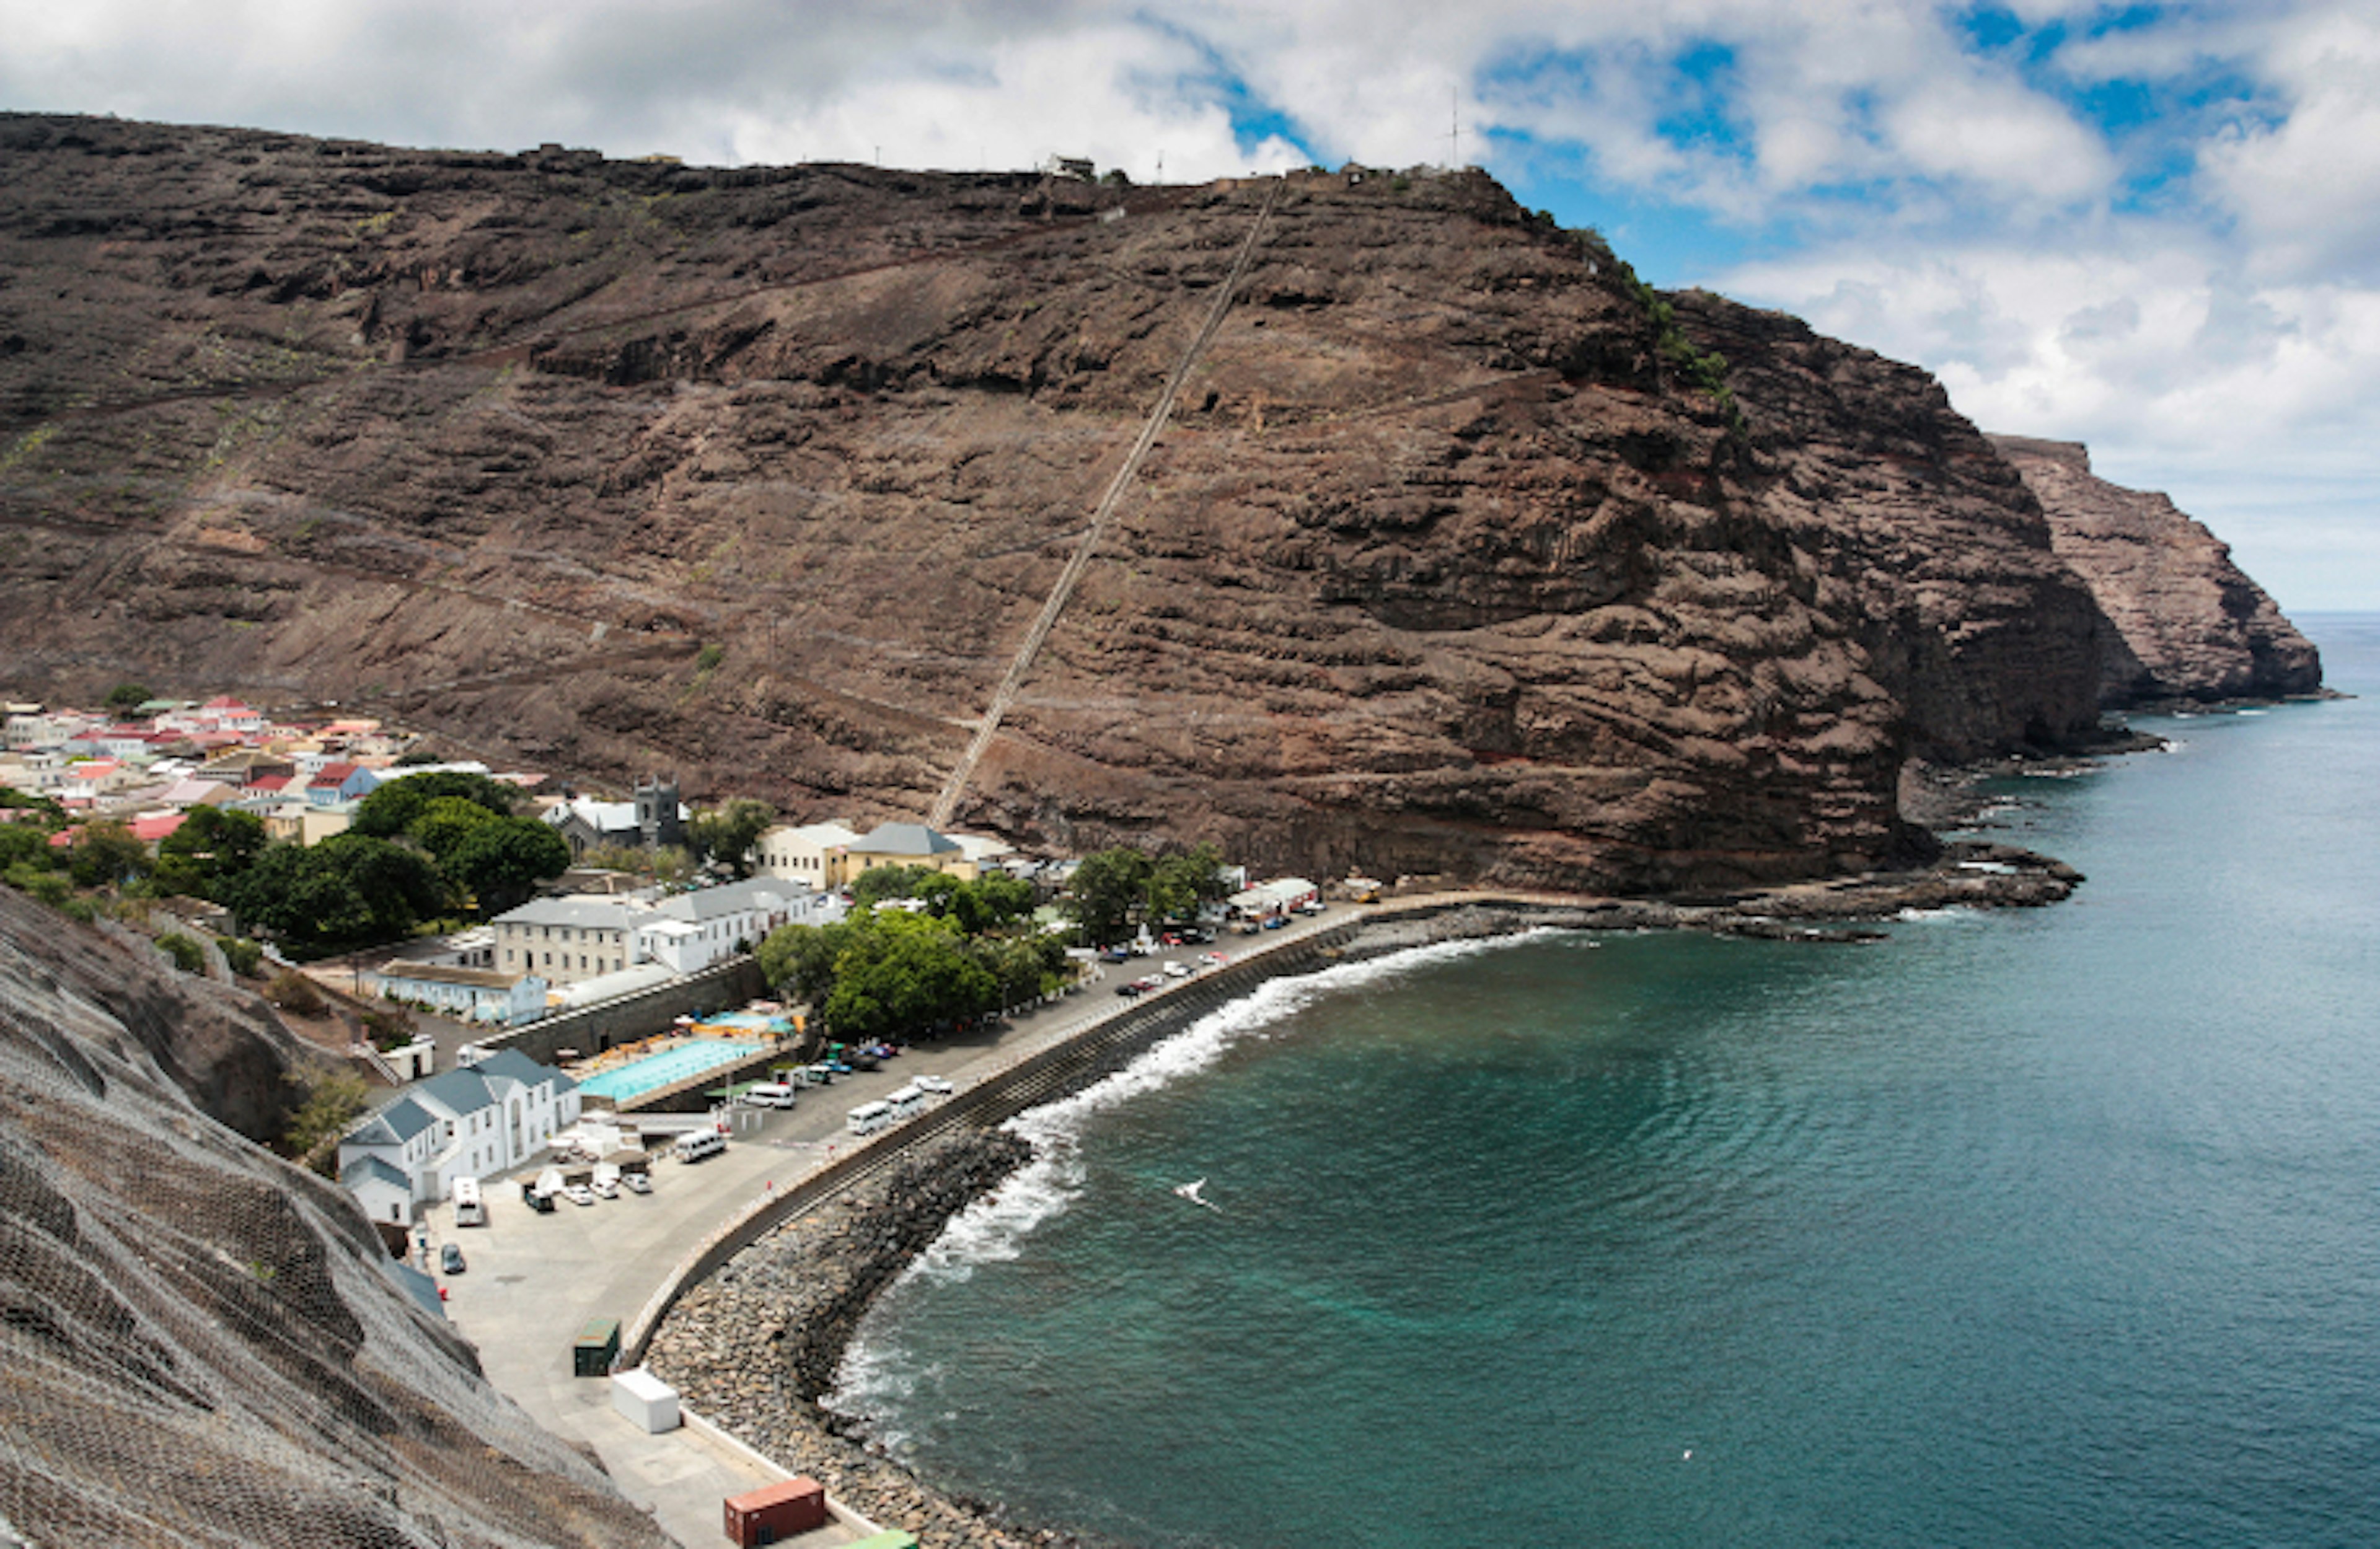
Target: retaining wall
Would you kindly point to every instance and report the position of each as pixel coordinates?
(720, 987)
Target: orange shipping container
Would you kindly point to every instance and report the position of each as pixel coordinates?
(775, 1511)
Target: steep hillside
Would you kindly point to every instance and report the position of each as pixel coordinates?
(202, 1345)
(2191, 625)
(1439, 565)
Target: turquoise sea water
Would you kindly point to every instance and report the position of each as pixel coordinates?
(2059, 1226)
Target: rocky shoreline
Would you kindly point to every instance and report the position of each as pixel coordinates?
(754, 1347)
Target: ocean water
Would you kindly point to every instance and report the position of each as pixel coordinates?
(2055, 1226)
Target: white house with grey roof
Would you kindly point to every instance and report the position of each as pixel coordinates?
(691, 931)
(483, 1118)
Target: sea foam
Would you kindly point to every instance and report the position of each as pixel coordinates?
(994, 1228)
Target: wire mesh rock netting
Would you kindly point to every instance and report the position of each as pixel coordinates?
(201, 1344)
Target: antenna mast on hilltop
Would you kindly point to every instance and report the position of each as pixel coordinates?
(1453, 130)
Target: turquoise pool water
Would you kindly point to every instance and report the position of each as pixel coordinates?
(668, 1066)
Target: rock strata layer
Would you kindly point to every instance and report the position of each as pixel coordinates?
(2192, 625)
(1447, 561)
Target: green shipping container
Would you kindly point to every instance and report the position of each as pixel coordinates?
(597, 1347)
(886, 1541)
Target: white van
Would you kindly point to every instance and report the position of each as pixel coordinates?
(698, 1144)
(468, 1210)
(769, 1094)
(868, 1118)
(906, 1101)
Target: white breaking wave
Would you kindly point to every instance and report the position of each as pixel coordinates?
(994, 1228)
(1936, 916)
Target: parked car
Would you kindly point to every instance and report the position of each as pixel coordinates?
(939, 1085)
(1213, 960)
(450, 1259)
(1179, 971)
(1275, 922)
(636, 1183)
(579, 1194)
(1131, 989)
(1115, 954)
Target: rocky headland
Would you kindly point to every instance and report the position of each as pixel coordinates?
(2192, 626)
(1460, 553)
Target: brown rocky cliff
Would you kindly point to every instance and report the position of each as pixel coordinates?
(2191, 625)
(1438, 566)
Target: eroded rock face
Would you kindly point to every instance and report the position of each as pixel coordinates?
(1438, 567)
(2192, 625)
(201, 1344)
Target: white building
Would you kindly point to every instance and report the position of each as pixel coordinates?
(566, 940)
(691, 931)
(801, 854)
(1274, 897)
(570, 940)
(484, 1118)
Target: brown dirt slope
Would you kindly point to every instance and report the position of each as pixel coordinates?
(1440, 567)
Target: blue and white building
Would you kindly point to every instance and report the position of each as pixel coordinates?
(469, 1122)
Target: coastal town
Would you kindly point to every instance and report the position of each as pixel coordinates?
(638, 1026)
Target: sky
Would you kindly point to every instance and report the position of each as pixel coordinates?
(2152, 227)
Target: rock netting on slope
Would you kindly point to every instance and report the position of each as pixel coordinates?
(2194, 625)
(204, 1345)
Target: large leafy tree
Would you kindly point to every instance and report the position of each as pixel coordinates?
(500, 862)
(106, 852)
(1107, 887)
(878, 883)
(392, 808)
(350, 890)
(1178, 883)
(905, 971)
(445, 821)
(212, 845)
(726, 833)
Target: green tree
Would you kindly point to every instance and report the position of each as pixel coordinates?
(212, 845)
(105, 853)
(662, 863)
(878, 883)
(1107, 887)
(502, 861)
(332, 1101)
(187, 954)
(389, 809)
(25, 843)
(242, 954)
(1178, 882)
(905, 971)
(799, 959)
(443, 824)
(726, 832)
(126, 697)
(347, 891)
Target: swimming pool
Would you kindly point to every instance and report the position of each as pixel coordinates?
(668, 1068)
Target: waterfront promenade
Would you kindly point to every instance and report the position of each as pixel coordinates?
(533, 1280)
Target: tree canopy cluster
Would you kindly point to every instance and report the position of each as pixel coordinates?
(885, 971)
(1114, 889)
(419, 847)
